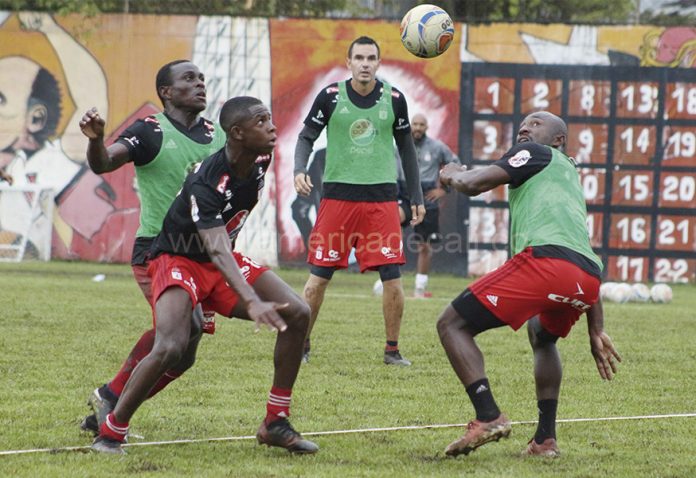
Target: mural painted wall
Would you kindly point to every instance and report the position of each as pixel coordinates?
(54, 68)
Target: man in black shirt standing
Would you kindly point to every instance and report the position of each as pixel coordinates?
(193, 263)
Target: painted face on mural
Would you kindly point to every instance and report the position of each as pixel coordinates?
(187, 91)
(419, 125)
(363, 63)
(544, 128)
(17, 76)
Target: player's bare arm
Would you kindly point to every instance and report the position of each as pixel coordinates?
(474, 182)
(217, 245)
(605, 354)
(100, 158)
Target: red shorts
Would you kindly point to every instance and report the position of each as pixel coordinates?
(144, 281)
(556, 290)
(202, 280)
(373, 228)
(140, 271)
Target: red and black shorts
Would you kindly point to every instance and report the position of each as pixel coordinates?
(555, 289)
(202, 280)
(371, 227)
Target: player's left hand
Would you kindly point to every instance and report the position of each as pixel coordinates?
(605, 354)
(449, 173)
(6, 177)
(417, 214)
(266, 313)
(434, 194)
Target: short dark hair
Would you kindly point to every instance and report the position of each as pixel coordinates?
(45, 91)
(363, 40)
(164, 76)
(236, 110)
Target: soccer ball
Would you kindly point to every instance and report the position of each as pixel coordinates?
(605, 289)
(427, 31)
(639, 293)
(378, 288)
(661, 293)
(620, 293)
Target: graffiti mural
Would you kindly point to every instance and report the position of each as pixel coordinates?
(53, 68)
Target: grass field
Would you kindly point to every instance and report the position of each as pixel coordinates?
(63, 334)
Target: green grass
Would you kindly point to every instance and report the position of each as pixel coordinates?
(63, 334)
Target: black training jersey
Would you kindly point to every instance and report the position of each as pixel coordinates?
(212, 196)
(144, 137)
(325, 104)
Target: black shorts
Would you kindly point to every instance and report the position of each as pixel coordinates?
(429, 230)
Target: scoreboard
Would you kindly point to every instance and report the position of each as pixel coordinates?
(632, 132)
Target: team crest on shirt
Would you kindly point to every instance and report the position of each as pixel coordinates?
(235, 224)
(520, 159)
(222, 184)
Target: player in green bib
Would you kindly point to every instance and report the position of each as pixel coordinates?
(552, 279)
(364, 116)
(163, 148)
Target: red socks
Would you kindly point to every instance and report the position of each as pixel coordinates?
(141, 349)
(113, 430)
(278, 405)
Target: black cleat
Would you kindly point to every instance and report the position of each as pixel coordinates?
(102, 402)
(280, 433)
(108, 445)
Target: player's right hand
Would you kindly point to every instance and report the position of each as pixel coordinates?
(92, 125)
(266, 313)
(303, 184)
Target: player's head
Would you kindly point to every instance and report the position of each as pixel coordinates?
(419, 125)
(247, 122)
(181, 85)
(363, 59)
(544, 128)
(29, 102)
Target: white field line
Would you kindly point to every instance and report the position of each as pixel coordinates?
(343, 432)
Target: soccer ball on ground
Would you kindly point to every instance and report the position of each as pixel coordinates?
(661, 293)
(640, 293)
(620, 293)
(427, 31)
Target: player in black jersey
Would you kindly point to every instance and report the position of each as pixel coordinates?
(163, 148)
(193, 263)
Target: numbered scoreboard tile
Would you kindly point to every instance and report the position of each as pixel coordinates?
(676, 233)
(594, 229)
(627, 269)
(634, 144)
(488, 225)
(632, 188)
(635, 99)
(492, 139)
(680, 101)
(677, 190)
(669, 269)
(494, 95)
(537, 95)
(587, 143)
(629, 231)
(679, 146)
(589, 98)
(593, 181)
(482, 262)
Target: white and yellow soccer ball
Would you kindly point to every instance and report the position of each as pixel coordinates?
(661, 293)
(427, 31)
